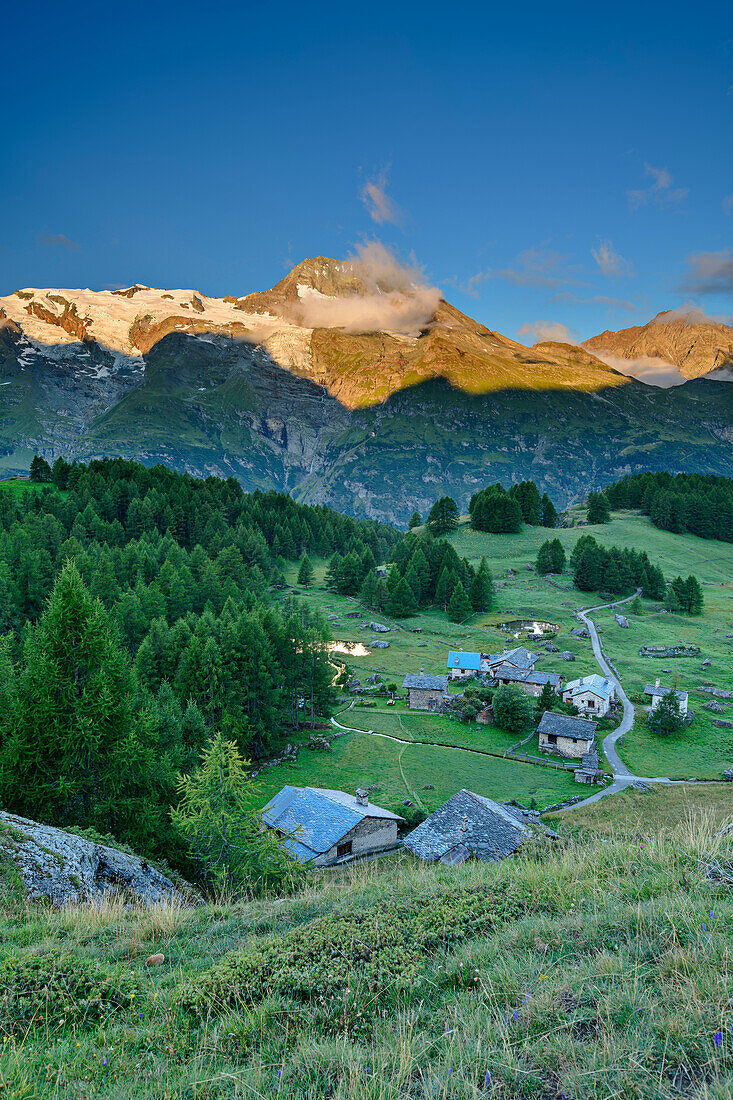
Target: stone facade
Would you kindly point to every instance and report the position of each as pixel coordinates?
(572, 747)
(373, 834)
(424, 699)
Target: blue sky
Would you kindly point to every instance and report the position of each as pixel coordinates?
(566, 164)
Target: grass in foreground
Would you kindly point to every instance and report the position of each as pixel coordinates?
(597, 968)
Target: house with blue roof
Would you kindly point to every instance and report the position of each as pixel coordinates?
(462, 665)
(324, 827)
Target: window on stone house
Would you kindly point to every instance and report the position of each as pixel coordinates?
(343, 850)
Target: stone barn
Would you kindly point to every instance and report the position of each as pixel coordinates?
(324, 827)
(425, 691)
(469, 825)
(565, 735)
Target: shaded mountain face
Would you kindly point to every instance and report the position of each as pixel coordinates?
(692, 343)
(376, 422)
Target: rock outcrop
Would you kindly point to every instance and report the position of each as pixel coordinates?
(64, 868)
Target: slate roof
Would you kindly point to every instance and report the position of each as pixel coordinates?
(562, 725)
(525, 676)
(652, 689)
(595, 684)
(492, 831)
(425, 681)
(469, 662)
(318, 817)
(519, 657)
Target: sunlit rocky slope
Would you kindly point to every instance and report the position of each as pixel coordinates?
(350, 382)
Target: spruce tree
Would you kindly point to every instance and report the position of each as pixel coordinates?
(598, 510)
(40, 470)
(401, 602)
(482, 589)
(695, 601)
(415, 521)
(549, 512)
(74, 713)
(443, 516)
(459, 607)
(667, 716)
(305, 573)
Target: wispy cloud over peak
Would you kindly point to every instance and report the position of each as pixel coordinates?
(660, 192)
(380, 207)
(56, 240)
(709, 273)
(611, 262)
(548, 330)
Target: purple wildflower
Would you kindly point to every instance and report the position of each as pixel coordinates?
(104, 1061)
(718, 1038)
(487, 1080)
(712, 914)
(704, 926)
(516, 1014)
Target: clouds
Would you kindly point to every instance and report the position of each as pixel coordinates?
(610, 262)
(548, 330)
(394, 297)
(647, 368)
(56, 240)
(709, 273)
(659, 193)
(380, 207)
(595, 300)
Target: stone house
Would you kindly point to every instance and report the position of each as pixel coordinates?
(425, 691)
(518, 658)
(591, 694)
(469, 825)
(528, 680)
(324, 827)
(560, 733)
(656, 693)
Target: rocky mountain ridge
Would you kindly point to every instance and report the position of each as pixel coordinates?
(693, 343)
(374, 422)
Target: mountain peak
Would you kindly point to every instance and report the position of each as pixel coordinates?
(685, 339)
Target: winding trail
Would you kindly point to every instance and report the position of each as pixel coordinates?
(622, 777)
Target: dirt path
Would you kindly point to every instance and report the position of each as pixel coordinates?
(622, 777)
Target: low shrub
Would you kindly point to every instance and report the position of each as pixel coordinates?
(380, 948)
(43, 987)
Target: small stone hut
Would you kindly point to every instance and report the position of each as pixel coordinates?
(425, 691)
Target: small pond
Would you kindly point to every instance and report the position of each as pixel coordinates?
(351, 649)
(517, 627)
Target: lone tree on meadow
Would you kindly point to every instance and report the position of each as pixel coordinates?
(667, 717)
(443, 516)
(598, 510)
(40, 470)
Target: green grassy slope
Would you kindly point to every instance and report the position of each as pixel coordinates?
(594, 968)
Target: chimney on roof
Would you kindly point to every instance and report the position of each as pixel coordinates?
(464, 824)
(657, 682)
(421, 671)
(362, 797)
